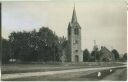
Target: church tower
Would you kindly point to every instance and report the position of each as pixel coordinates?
(74, 38)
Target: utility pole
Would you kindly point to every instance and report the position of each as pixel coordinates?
(95, 49)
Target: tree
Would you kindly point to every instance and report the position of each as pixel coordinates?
(86, 55)
(95, 55)
(20, 47)
(48, 45)
(116, 54)
(42, 45)
(125, 57)
(65, 50)
(5, 51)
(33, 45)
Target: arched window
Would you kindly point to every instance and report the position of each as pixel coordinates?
(76, 31)
(76, 50)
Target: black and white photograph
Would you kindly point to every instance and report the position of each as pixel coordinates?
(64, 40)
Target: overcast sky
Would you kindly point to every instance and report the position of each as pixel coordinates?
(100, 20)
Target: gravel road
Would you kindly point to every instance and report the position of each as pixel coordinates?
(21, 75)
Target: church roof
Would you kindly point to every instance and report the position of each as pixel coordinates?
(74, 23)
(106, 53)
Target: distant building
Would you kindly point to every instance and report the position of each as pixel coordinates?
(106, 55)
(74, 38)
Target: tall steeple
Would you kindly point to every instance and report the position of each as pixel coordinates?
(74, 38)
(74, 18)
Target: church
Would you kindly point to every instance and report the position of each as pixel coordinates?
(73, 52)
(74, 38)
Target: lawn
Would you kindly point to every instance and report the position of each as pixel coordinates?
(78, 76)
(23, 68)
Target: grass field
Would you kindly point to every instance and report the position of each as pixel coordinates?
(118, 75)
(35, 68)
(74, 76)
(23, 68)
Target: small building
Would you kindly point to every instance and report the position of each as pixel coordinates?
(106, 55)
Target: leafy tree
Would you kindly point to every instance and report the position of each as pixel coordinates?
(98, 56)
(43, 45)
(86, 55)
(5, 51)
(116, 54)
(33, 45)
(48, 45)
(125, 57)
(92, 57)
(20, 47)
(65, 49)
(95, 55)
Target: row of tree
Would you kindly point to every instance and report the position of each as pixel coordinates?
(43, 45)
(95, 55)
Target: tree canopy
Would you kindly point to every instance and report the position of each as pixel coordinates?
(43, 45)
(125, 57)
(86, 55)
(116, 54)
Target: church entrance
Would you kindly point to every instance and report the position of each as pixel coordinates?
(76, 58)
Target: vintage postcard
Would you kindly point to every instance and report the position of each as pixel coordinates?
(69, 40)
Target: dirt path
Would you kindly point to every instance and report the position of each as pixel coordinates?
(21, 75)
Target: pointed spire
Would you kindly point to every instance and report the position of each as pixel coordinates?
(74, 18)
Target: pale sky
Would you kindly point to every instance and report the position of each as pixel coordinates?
(102, 20)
